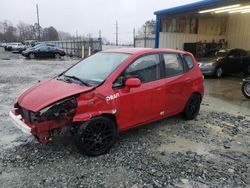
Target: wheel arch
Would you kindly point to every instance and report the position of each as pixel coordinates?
(197, 93)
(87, 117)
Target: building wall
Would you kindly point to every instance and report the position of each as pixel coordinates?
(209, 29)
(213, 25)
(177, 40)
(238, 31)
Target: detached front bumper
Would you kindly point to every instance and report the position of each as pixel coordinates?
(19, 123)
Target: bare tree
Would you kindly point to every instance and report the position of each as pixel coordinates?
(64, 35)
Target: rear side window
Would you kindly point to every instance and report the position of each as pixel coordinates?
(173, 65)
(189, 61)
(146, 68)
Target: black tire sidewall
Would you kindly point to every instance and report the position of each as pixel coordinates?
(83, 127)
(243, 89)
(186, 114)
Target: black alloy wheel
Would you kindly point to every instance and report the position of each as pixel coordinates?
(192, 107)
(96, 136)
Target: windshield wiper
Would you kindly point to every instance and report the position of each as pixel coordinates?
(78, 79)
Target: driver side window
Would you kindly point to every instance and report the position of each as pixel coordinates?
(146, 68)
(43, 49)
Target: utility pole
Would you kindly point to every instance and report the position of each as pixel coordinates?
(100, 34)
(116, 33)
(145, 36)
(38, 22)
(134, 36)
(100, 39)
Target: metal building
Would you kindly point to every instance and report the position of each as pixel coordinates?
(207, 21)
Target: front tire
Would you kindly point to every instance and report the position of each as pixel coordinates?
(245, 88)
(218, 72)
(192, 107)
(32, 56)
(97, 136)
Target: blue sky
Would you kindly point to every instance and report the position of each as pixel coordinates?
(87, 16)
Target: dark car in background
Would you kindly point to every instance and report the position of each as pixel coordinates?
(225, 62)
(44, 51)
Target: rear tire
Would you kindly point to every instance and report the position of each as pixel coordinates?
(57, 56)
(192, 107)
(245, 88)
(96, 136)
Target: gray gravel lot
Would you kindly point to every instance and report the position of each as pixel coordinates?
(210, 151)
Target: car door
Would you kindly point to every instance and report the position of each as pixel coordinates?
(233, 62)
(176, 83)
(51, 51)
(145, 103)
(42, 51)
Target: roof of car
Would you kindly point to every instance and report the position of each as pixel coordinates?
(141, 50)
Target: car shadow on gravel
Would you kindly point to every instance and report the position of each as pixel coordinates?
(137, 158)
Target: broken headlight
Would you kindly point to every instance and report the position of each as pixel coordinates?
(60, 109)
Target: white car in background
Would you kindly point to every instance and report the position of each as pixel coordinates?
(18, 47)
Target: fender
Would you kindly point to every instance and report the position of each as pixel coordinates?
(88, 115)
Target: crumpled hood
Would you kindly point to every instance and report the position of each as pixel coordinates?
(47, 92)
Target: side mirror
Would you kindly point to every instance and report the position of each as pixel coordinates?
(133, 82)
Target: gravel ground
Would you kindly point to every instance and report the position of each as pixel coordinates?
(210, 151)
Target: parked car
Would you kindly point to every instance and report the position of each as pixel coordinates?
(2, 44)
(30, 43)
(246, 87)
(43, 51)
(225, 62)
(18, 47)
(8, 46)
(110, 92)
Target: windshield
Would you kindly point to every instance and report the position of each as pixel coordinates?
(98, 67)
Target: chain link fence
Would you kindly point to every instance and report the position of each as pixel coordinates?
(79, 47)
(144, 42)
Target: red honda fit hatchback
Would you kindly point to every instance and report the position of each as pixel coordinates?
(110, 92)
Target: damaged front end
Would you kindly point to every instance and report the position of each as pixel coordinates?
(42, 124)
